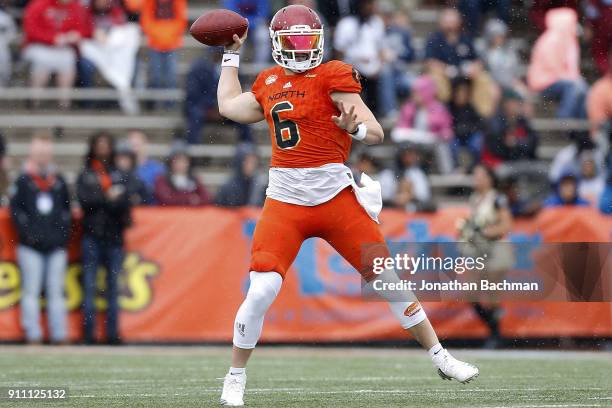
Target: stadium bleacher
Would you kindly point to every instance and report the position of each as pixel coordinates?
(215, 154)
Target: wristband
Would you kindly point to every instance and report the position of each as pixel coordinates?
(230, 60)
(360, 133)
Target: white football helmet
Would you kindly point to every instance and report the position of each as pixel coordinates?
(297, 38)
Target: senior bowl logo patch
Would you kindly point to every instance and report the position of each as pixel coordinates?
(412, 309)
(271, 79)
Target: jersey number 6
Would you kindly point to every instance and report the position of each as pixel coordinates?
(287, 126)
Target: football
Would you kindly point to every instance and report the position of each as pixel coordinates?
(217, 27)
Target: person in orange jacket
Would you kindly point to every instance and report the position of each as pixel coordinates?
(164, 23)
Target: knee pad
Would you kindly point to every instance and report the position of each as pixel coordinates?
(264, 288)
(266, 261)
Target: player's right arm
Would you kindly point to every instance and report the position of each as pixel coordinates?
(241, 107)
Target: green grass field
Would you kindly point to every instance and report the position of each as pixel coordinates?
(306, 377)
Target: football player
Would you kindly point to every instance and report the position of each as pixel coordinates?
(314, 112)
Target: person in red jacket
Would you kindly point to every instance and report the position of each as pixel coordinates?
(180, 187)
(52, 29)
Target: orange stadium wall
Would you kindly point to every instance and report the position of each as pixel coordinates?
(186, 273)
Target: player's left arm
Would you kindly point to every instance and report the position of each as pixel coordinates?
(353, 112)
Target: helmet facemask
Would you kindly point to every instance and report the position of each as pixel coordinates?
(299, 49)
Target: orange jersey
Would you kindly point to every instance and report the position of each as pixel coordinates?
(164, 23)
(298, 109)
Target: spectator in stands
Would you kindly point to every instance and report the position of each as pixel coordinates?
(554, 69)
(334, 10)
(450, 54)
(592, 181)
(179, 186)
(468, 126)
(258, 14)
(412, 192)
(246, 186)
(147, 168)
(509, 136)
(539, 8)
(489, 209)
(132, 9)
(40, 210)
(424, 119)
(365, 163)
(501, 59)
(520, 204)
(566, 193)
(598, 14)
(201, 98)
(599, 101)
(8, 32)
(605, 201)
(112, 50)
(200, 94)
(473, 10)
(406, 186)
(360, 40)
(569, 158)
(3, 172)
(104, 198)
(164, 24)
(125, 162)
(394, 77)
(52, 30)
(490, 220)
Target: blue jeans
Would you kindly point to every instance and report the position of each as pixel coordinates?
(571, 96)
(473, 144)
(96, 253)
(86, 71)
(37, 267)
(605, 201)
(261, 36)
(163, 69)
(472, 11)
(392, 81)
(196, 119)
